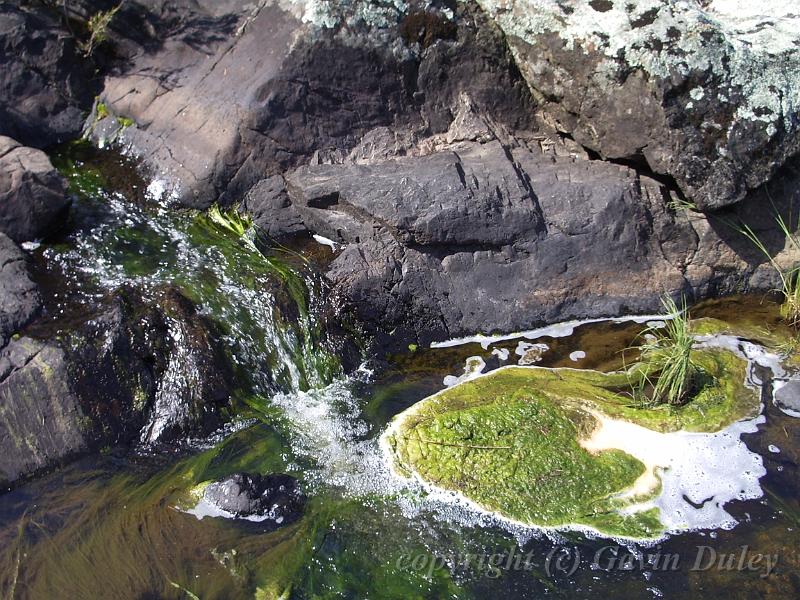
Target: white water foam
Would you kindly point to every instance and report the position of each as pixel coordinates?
(699, 472)
(325, 242)
(557, 330)
(327, 428)
(473, 367)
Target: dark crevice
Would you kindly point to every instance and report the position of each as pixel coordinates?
(525, 179)
(325, 201)
(637, 163)
(441, 250)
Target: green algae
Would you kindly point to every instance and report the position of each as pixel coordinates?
(510, 441)
(265, 300)
(514, 449)
(126, 535)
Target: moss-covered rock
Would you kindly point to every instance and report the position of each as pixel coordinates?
(513, 441)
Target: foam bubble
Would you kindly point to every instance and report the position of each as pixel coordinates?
(473, 367)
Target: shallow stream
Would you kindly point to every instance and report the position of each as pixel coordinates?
(117, 525)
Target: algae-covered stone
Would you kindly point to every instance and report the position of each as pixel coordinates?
(518, 442)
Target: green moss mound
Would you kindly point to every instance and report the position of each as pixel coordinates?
(510, 441)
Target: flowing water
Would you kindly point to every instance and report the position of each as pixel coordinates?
(116, 525)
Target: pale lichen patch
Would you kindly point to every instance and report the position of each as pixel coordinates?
(753, 48)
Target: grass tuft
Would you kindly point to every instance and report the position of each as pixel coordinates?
(233, 221)
(98, 29)
(668, 372)
(681, 204)
(789, 277)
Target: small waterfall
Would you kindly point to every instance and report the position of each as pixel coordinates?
(265, 301)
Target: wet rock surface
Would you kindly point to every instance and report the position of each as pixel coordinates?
(33, 195)
(19, 296)
(275, 499)
(480, 168)
(41, 421)
(134, 374)
(150, 373)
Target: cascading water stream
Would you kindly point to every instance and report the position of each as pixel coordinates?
(267, 306)
(317, 423)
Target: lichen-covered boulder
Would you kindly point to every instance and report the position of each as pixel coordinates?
(707, 92)
(33, 195)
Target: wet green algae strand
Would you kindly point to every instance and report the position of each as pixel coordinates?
(328, 553)
(510, 441)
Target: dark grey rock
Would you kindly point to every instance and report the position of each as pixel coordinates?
(19, 296)
(33, 195)
(46, 85)
(134, 374)
(465, 197)
(493, 238)
(272, 212)
(196, 382)
(214, 114)
(41, 422)
(276, 498)
(150, 373)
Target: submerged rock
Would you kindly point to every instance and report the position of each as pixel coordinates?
(275, 499)
(787, 397)
(33, 195)
(568, 448)
(152, 373)
(196, 381)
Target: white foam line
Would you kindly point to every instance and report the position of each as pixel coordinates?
(557, 330)
(204, 509)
